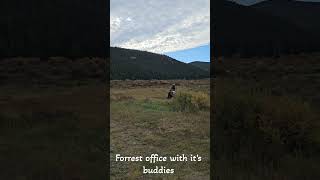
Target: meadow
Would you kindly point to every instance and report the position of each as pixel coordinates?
(266, 118)
(144, 121)
(264, 113)
(53, 119)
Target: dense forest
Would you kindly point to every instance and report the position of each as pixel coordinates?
(135, 64)
(202, 65)
(43, 28)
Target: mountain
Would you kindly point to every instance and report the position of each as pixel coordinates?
(47, 28)
(202, 65)
(303, 14)
(255, 31)
(135, 64)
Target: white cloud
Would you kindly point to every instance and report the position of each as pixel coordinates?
(160, 25)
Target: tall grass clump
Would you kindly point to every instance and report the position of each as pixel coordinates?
(191, 102)
(258, 134)
(265, 126)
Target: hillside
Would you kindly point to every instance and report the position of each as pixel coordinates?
(202, 65)
(249, 31)
(43, 28)
(303, 14)
(134, 64)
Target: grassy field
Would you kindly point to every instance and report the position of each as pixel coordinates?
(144, 122)
(52, 120)
(266, 118)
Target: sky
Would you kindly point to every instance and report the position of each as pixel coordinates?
(201, 53)
(178, 28)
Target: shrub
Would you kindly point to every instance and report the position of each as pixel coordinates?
(290, 121)
(267, 120)
(191, 102)
(201, 101)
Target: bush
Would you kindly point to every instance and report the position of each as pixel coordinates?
(265, 120)
(191, 102)
(288, 121)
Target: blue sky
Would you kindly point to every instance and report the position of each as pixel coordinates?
(176, 26)
(201, 53)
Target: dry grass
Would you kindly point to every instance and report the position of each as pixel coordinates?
(53, 118)
(142, 122)
(53, 133)
(266, 125)
(191, 102)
